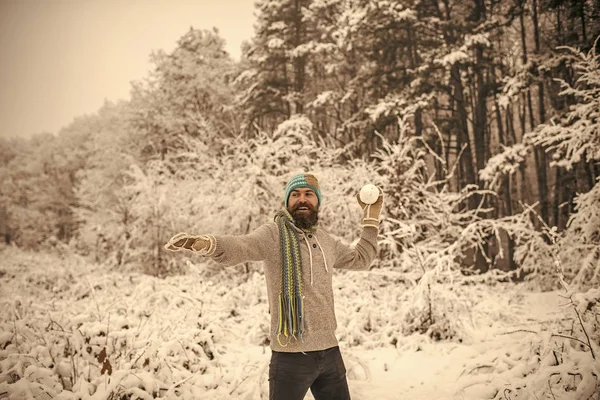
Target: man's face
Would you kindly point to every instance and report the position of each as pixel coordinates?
(303, 204)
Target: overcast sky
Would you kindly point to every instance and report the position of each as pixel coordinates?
(62, 58)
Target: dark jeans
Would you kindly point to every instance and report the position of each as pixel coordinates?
(292, 374)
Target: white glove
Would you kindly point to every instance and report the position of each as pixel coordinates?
(184, 241)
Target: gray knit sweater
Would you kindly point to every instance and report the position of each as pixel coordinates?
(320, 254)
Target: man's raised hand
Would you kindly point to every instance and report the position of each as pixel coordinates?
(371, 211)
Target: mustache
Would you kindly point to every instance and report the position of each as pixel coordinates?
(307, 205)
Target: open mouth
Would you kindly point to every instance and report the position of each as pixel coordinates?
(303, 209)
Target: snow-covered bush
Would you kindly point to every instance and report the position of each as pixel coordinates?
(428, 233)
(72, 331)
(560, 360)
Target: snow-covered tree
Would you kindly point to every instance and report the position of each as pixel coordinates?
(570, 139)
(272, 86)
(103, 209)
(187, 94)
(38, 184)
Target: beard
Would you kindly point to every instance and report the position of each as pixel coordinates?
(305, 220)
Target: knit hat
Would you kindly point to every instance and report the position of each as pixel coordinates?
(302, 181)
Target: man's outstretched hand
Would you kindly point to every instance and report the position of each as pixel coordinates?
(186, 241)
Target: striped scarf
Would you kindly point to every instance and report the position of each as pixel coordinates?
(291, 301)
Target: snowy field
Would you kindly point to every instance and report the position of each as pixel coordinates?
(68, 330)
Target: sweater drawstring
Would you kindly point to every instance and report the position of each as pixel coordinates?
(310, 256)
(323, 253)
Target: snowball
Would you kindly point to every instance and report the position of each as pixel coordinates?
(369, 194)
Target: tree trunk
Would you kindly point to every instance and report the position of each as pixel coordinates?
(556, 208)
(466, 162)
(511, 137)
(299, 63)
(581, 12)
(480, 117)
(4, 224)
(563, 197)
(287, 106)
(505, 188)
(559, 30)
(479, 135)
(540, 153)
(439, 170)
(525, 191)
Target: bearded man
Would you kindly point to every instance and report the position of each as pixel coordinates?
(299, 258)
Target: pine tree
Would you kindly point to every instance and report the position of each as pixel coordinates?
(274, 83)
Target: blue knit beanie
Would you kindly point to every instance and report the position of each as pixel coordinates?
(302, 181)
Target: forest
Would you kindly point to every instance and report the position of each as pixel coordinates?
(479, 120)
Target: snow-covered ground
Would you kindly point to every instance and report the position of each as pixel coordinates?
(66, 324)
